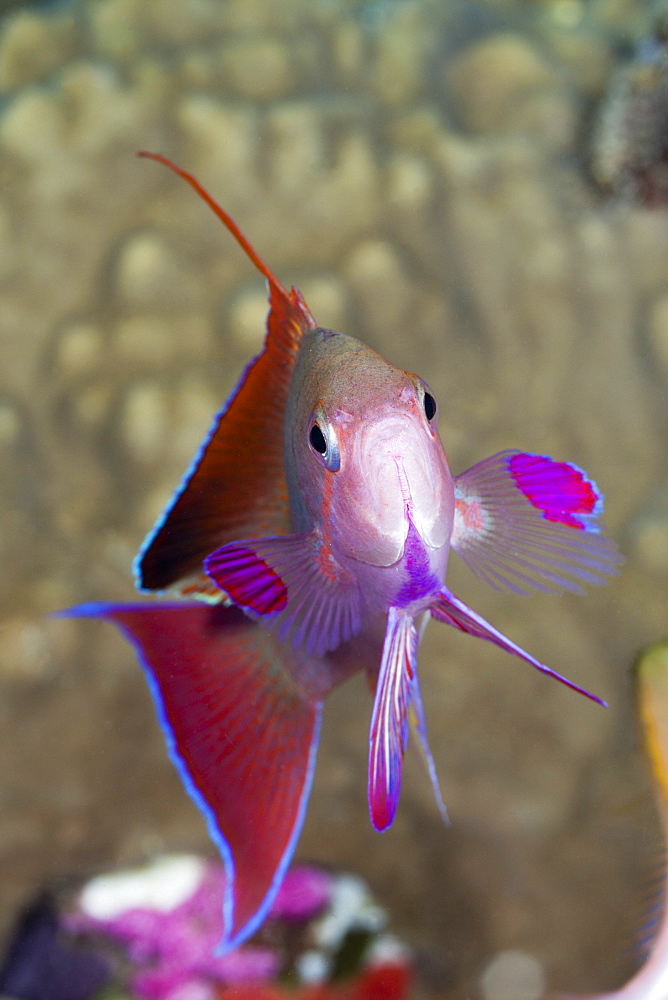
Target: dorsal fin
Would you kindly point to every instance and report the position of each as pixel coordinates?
(235, 487)
(226, 219)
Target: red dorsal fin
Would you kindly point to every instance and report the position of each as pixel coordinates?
(235, 487)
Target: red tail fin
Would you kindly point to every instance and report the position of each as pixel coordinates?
(241, 732)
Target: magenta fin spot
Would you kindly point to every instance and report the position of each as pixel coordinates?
(247, 578)
(560, 490)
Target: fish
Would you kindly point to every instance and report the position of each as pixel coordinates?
(650, 982)
(308, 541)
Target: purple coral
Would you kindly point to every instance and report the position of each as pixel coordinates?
(168, 917)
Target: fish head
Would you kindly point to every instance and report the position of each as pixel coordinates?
(363, 456)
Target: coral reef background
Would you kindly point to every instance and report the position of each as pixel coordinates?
(420, 170)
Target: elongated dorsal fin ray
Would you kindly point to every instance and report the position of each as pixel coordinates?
(235, 487)
(226, 219)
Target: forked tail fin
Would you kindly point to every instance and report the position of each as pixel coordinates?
(241, 731)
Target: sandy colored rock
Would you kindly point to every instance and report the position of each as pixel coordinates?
(221, 141)
(410, 182)
(650, 541)
(247, 319)
(10, 425)
(327, 298)
(196, 403)
(91, 403)
(181, 22)
(549, 114)
(587, 59)
(80, 350)
(349, 49)
(297, 145)
(258, 69)
(29, 649)
(492, 76)
(513, 975)
(33, 46)
(144, 421)
(658, 332)
(144, 341)
(28, 124)
(113, 28)
(153, 343)
(400, 57)
(146, 270)
(382, 289)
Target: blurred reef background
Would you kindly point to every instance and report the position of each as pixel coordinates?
(463, 186)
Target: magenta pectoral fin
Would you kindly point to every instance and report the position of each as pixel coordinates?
(241, 732)
(449, 609)
(525, 522)
(294, 583)
(389, 720)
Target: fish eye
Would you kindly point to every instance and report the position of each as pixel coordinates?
(317, 439)
(322, 439)
(426, 400)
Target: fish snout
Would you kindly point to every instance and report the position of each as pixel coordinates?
(407, 476)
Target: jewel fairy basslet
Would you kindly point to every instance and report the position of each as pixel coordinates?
(326, 557)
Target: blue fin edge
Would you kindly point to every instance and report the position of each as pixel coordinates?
(227, 944)
(186, 477)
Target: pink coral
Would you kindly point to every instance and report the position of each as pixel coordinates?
(173, 944)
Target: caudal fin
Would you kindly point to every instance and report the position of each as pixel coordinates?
(241, 731)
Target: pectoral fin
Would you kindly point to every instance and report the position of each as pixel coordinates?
(526, 522)
(389, 720)
(291, 582)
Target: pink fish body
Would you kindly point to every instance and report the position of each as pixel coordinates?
(322, 510)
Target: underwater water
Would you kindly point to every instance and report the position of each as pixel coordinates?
(422, 172)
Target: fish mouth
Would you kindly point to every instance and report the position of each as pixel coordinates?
(404, 479)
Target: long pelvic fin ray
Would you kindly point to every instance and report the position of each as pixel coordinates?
(389, 720)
